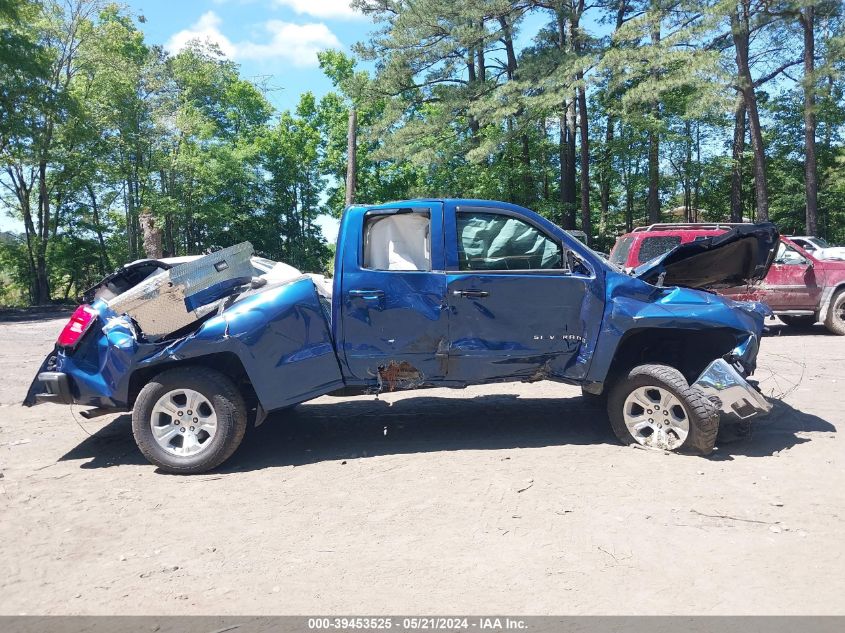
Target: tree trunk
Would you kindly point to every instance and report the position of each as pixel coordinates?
(151, 235)
(567, 139)
(42, 281)
(653, 177)
(740, 32)
(473, 79)
(351, 154)
(527, 181)
(607, 156)
(807, 17)
(131, 226)
(738, 152)
(103, 259)
(569, 178)
(606, 174)
(510, 52)
(697, 190)
(479, 55)
(576, 39)
(585, 161)
(563, 155)
(654, 149)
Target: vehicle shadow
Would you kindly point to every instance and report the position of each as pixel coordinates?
(779, 329)
(112, 445)
(777, 432)
(321, 431)
(35, 313)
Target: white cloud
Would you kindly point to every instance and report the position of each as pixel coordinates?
(206, 29)
(296, 43)
(321, 8)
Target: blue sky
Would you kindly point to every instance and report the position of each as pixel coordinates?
(274, 41)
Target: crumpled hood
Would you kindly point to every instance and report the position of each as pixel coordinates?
(740, 256)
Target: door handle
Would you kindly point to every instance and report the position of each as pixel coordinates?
(366, 295)
(471, 294)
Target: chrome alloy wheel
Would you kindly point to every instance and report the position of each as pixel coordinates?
(656, 418)
(183, 422)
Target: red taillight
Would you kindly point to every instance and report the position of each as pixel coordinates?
(76, 327)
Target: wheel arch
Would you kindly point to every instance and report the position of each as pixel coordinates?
(227, 363)
(688, 350)
(827, 298)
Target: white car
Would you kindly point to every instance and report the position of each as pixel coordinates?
(818, 247)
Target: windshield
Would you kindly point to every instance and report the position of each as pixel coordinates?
(619, 254)
(819, 242)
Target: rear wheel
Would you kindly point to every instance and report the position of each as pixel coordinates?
(835, 319)
(655, 407)
(189, 420)
(798, 321)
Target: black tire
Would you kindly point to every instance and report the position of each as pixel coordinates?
(702, 414)
(834, 320)
(798, 321)
(228, 405)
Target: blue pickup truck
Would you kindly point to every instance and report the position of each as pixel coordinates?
(430, 293)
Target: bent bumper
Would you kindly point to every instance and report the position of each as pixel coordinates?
(734, 396)
(50, 386)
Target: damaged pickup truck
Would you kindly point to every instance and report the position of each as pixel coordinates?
(426, 293)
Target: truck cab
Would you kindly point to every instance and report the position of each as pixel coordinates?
(462, 292)
(426, 293)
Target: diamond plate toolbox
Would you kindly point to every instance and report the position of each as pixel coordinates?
(173, 299)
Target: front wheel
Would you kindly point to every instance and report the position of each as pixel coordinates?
(189, 420)
(654, 406)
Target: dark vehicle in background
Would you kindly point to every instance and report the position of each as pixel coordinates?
(426, 293)
(801, 288)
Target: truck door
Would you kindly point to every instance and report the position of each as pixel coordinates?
(518, 303)
(393, 311)
(791, 283)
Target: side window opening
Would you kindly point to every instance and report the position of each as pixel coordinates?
(789, 256)
(652, 247)
(493, 241)
(399, 241)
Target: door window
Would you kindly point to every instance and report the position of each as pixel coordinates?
(789, 256)
(492, 241)
(399, 241)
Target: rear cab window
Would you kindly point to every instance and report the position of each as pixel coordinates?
(400, 242)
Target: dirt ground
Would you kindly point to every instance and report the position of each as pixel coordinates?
(507, 499)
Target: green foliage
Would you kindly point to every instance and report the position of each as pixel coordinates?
(129, 129)
(478, 98)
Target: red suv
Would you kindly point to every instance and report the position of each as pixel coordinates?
(800, 288)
